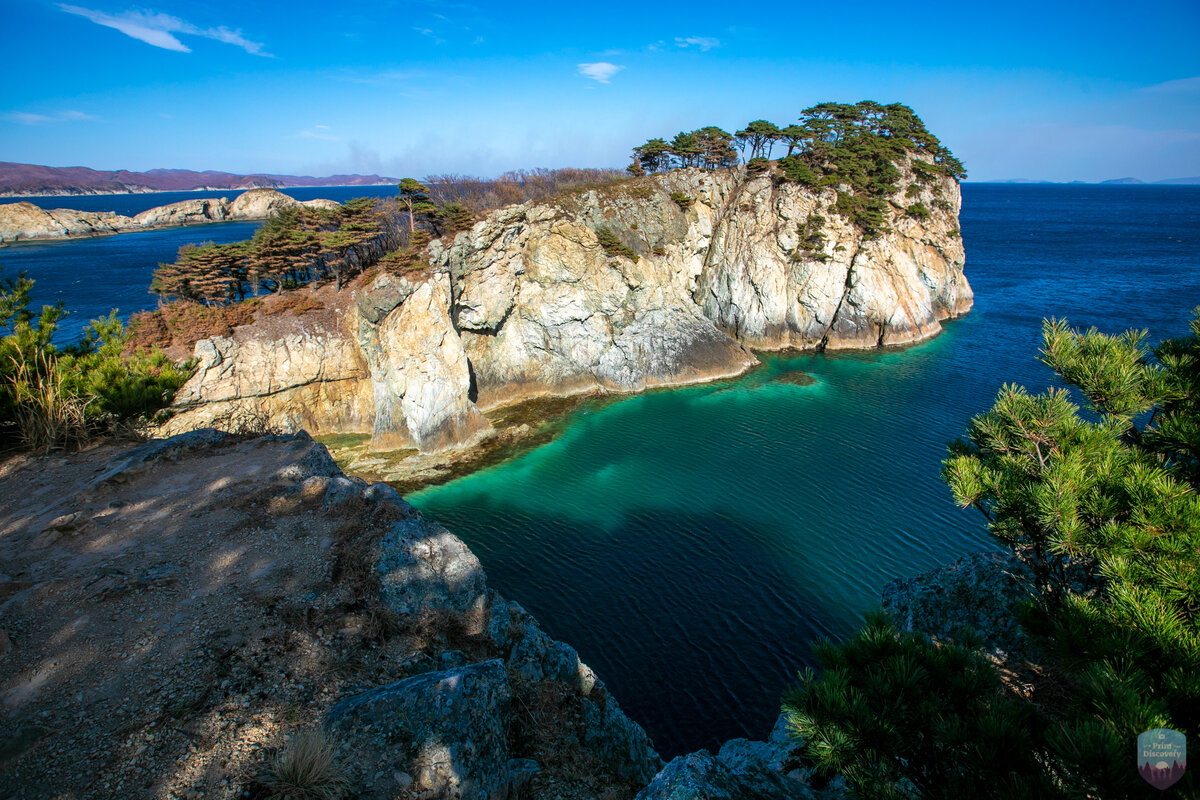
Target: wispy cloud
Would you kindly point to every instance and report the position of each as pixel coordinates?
(387, 76)
(429, 33)
(1181, 86)
(159, 30)
(26, 118)
(705, 43)
(318, 132)
(599, 71)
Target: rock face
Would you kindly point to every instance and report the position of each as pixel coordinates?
(444, 730)
(977, 595)
(530, 302)
(24, 221)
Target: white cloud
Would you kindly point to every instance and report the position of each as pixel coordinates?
(705, 43)
(599, 71)
(318, 132)
(159, 30)
(429, 32)
(25, 118)
(1181, 86)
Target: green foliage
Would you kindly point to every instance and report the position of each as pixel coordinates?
(1102, 505)
(811, 243)
(917, 211)
(759, 136)
(611, 244)
(122, 386)
(60, 398)
(758, 165)
(682, 200)
(296, 247)
(900, 716)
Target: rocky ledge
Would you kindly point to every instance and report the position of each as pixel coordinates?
(24, 221)
(173, 614)
(656, 281)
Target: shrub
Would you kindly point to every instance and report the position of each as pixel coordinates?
(894, 709)
(61, 398)
(612, 245)
(757, 165)
(181, 323)
(682, 200)
(917, 211)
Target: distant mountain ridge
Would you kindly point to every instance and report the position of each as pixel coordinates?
(33, 179)
(1113, 181)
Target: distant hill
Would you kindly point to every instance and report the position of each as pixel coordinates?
(33, 179)
(1112, 182)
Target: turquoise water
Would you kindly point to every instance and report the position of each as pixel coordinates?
(691, 544)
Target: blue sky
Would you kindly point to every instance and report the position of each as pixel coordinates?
(1046, 90)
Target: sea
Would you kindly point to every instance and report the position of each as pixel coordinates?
(695, 544)
(93, 276)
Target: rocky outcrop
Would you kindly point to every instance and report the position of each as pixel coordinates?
(250, 580)
(767, 770)
(443, 733)
(24, 221)
(974, 598)
(663, 280)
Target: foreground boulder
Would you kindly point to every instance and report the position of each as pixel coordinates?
(976, 596)
(442, 735)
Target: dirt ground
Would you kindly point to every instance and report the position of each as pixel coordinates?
(164, 630)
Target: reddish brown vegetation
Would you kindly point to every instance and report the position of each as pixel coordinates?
(480, 195)
(179, 325)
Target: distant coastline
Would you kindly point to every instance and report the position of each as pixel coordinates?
(36, 180)
(28, 195)
(1195, 181)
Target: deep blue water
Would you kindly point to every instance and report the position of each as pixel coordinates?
(130, 204)
(693, 543)
(93, 276)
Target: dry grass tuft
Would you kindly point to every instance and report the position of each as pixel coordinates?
(307, 769)
(48, 416)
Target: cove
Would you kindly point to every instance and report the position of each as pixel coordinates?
(693, 544)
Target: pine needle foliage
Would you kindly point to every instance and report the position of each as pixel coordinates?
(1101, 502)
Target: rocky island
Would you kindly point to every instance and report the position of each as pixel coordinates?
(657, 281)
(23, 221)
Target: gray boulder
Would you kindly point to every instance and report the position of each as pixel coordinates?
(977, 593)
(423, 567)
(443, 733)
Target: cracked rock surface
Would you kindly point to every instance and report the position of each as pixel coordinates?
(528, 303)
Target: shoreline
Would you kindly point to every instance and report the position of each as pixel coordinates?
(143, 229)
(531, 422)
